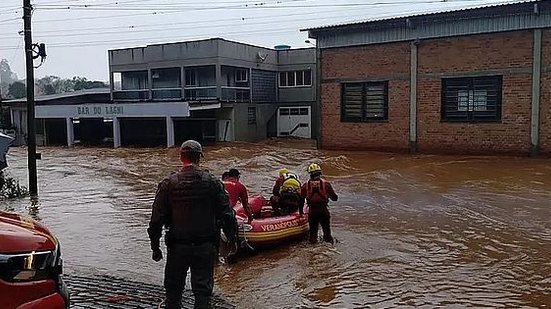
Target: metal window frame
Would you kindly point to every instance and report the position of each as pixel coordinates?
(240, 70)
(471, 115)
(364, 118)
(295, 72)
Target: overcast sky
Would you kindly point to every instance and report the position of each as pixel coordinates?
(78, 33)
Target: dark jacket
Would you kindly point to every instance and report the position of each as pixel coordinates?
(192, 204)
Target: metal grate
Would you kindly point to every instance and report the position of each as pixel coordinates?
(251, 115)
(472, 99)
(363, 102)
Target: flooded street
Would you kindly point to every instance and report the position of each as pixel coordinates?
(412, 230)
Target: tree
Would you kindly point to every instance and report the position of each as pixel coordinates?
(18, 90)
(7, 77)
(81, 83)
(48, 85)
(54, 84)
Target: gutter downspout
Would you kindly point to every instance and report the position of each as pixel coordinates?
(536, 90)
(413, 97)
(316, 110)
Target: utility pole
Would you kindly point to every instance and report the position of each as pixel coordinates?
(31, 134)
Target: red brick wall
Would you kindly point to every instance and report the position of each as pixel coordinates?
(507, 53)
(545, 111)
(389, 62)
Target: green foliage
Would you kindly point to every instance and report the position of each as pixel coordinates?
(18, 90)
(10, 187)
(54, 84)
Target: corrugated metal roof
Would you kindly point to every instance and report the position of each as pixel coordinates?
(422, 14)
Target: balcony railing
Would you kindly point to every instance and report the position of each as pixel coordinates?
(236, 94)
(200, 93)
(229, 94)
(167, 93)
(131, 95)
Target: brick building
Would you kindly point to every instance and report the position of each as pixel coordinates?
(470, 81)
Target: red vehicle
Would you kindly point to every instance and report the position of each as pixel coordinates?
(30, 265)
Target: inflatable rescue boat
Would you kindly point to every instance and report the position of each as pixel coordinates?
(266, 229)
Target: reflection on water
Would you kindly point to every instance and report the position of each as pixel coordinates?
(411, 230)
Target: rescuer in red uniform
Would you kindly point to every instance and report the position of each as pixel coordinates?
(274, 199)
(237, 192)
(317, 193)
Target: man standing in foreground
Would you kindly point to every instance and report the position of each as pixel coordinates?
(192, 205)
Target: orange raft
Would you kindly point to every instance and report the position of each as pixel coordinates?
(266, 229)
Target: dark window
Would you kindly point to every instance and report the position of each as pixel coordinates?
(363, 102)
(300, 78)
(283, 79)
(304, 111)
(471, 99)
(284, 111)
(241, 76)
(166, 78)
(251, 115)
(191, 77)
(295, 111)
(290, 79)
(308, 78)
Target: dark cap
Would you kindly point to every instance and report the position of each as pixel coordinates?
(234, 172)
(192, 146)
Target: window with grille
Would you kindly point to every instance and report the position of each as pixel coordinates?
(472, 99)
(364, 102)
(251, 115)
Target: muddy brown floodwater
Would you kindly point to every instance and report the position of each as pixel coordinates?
(420, 231)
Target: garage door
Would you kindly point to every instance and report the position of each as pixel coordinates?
(294, 121)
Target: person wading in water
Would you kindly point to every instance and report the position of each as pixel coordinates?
(317, 193)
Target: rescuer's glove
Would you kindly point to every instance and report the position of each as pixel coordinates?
(157, 255)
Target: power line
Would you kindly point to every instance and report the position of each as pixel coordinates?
(160, 12)
(9, 20)
(116, 16)
(241, 7)
(132, 31)
(155, 6)
(237, 22)
(163, 40)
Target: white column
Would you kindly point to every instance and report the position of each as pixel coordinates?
(70, 132)
(169, 131)
(116, 133)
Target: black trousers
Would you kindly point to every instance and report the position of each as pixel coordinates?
(200, 259)
(319, 215)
